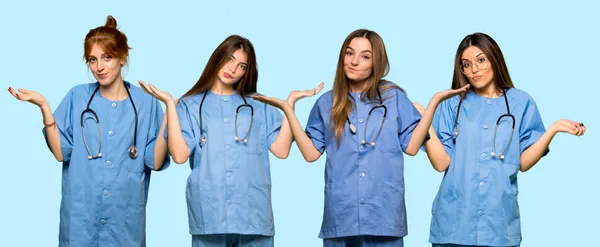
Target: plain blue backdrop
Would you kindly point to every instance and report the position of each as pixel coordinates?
(551, 50)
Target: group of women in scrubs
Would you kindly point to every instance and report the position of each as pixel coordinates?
(111, 134)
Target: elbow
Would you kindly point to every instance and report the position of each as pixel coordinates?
(439, 169)
(311, 158)
(411, 152)
(178, 160)
(59, 158)
(524, 169)
(282, 155)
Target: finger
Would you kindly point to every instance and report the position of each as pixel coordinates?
(145, 87)
(23, 90)
(583, 130)
(154, 89)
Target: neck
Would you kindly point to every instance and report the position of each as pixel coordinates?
(221, 88)
(489, 91)
(114, 91)
(357, 87)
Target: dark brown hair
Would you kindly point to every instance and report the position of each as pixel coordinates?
(246, 85)
(491, 49)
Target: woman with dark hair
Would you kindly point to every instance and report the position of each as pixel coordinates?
(227, 136)
(364, 125)
(108, 135)
(481, 140)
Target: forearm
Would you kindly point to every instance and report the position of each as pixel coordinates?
(281, 147)
(420, 131)
(308, 150)
(176, 143)
(160, 148)
(436, 153)
(52, 133)
(535, 152)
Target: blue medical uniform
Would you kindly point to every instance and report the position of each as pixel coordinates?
(364, 184)
(104, 200)
(477, 200)
(229, 188)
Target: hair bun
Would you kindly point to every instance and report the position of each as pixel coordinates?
(111, 22)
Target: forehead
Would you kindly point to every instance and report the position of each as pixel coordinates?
(360, 44)
(471, 52)
(96, 50)
(240, 56)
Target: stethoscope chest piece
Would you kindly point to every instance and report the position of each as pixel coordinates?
(133, 152)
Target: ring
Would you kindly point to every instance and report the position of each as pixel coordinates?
(581, 124)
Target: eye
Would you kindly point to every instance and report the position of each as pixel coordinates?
(244, 67)
(91, 60)
(106, 58)
(230, 59)
(349, 53)
(366, 57)
(466, 65)
(481, 60)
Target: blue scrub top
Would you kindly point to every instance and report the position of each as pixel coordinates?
(364, 184)
(477, 200)
(229, 187)
(104, 200)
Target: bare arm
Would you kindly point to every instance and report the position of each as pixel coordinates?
(52, 134)
(282, 144)
(175, 143)
(420, 132)
(534, 153)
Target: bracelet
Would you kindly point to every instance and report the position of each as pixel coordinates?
(50, 125)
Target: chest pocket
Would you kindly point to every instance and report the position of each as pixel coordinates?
(388, 141)
(256, 134)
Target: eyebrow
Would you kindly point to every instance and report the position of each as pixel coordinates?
(236, 59)
(361, 51)
(464, 59)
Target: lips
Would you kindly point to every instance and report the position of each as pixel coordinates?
(227, 75)
(476, 77)
(102, 76)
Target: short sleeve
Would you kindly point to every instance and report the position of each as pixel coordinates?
(315, 128)
(443, 123)
(408, 118)
(63, 115)
(532, 127)
(185, 123)
(273, 122)
(156, 118)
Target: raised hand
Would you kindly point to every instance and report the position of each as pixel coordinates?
(298, 94)
(29, 96)
(293, 97)
(152, 90)
(444, 95)
(568, 126)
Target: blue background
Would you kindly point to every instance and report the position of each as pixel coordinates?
(551, 50)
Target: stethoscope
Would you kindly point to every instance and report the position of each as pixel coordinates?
(132, 151)
(353, 128)
(493, 153)
(237, 111)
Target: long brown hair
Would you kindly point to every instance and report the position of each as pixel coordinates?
(342, 102)
(491, 49)
(246, 85)
(109, 38)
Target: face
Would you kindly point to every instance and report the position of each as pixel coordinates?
(358, 61)
(477, 68)
(106, 69)
(235, 67)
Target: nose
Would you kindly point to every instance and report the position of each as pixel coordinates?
(99, 66)
(354, 61)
